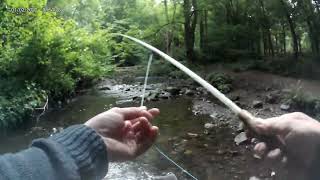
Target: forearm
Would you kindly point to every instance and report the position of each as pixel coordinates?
(76, 153)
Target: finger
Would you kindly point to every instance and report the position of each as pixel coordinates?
(154, 131)
(127, 126)
(284, 160)
(136, 120)
(147, 114)
(142, 126)
(147, 141)
(274, 154)
(271, 126)
(260, 150)
(130, 113)
(154, 111)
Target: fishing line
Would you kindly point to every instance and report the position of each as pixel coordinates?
(146, 79)
(155, 146)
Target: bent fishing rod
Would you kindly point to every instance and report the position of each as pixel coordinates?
(247, 118)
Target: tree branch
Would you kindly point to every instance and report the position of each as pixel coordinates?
(160, 28)
(44, 108)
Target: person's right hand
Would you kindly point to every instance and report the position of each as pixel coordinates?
(300, 136)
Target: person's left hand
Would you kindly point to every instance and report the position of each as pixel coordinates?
(127, 132)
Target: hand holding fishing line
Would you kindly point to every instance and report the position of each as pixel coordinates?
(127, 132)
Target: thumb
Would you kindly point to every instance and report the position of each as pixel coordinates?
(269, 127)
(274, 126)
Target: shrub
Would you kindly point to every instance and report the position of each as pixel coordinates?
(221, 81)
(303, 102)
(46, 55)
(17, 102)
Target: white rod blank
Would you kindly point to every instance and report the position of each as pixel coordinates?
(236, 109)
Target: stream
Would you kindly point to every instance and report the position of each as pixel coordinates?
(208, 155)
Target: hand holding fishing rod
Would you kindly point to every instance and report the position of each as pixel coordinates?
(299, 135)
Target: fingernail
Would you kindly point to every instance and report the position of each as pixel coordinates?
(143, 107)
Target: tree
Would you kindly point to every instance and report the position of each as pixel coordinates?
(190, 9)
(291, 23)
(307, 9)
(266, 29)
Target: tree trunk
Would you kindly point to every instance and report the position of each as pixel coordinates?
(168, 36)
(313, 38)
(4, 39)
(310, 15)
(318, 6)
(271, 48)
(191, 16)
(266, 26)
(258, 44)
(173, 26)
(284, 39)
(228, 12)
(203, 30)
(299, 45)
(265, 46)
(292, 29)
(276, 44)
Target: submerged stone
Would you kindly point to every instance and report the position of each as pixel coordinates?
(169, 176)
(173, 90)
(241, 127)
(209, 126)
(285, 107)
(188, 152)
(189, 92)
(104, 88)
(193, 135)
(271, 99)
(257, 104)
(254, 178)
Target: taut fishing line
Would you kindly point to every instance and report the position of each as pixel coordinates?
(155, 146)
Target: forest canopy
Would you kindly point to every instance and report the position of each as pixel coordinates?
(50, 49)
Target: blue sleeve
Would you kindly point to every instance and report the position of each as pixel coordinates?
(74, 154)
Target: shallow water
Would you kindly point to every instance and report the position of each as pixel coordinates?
(176, 119)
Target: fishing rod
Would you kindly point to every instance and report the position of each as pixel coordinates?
(244, 115)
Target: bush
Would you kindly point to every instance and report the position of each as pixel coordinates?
(46, 55)
(299, 101)
(17, 102)
(221, 81)
(52, 52)
(178, 74)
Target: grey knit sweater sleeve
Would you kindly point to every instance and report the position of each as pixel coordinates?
(76, 153)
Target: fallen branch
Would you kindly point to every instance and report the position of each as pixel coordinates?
(44, 108)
